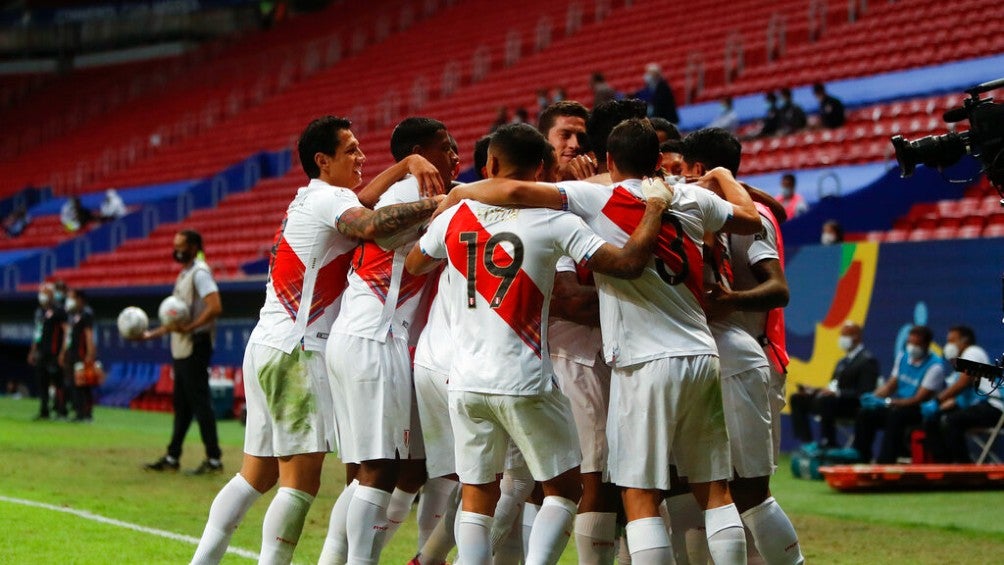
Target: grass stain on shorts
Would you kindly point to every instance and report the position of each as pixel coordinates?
(287, 390)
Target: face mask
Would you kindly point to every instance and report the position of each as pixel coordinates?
(181, 256)
(788, 192)
(951, 351)
(59, 296)
(828, 238)
(43, 299)
(71, 304)
(845, 342)
(915, 351)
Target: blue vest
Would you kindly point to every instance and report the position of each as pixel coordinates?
(909, 377)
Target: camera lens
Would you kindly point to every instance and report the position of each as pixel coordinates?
(933, 150)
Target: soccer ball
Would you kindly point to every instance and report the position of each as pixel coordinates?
(132, 322)
(172, 311)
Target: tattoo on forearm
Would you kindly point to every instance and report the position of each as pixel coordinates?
(387, 220)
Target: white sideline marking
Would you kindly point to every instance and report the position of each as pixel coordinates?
(129, 526)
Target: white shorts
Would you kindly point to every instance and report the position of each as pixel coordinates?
(778, 400)
(588, 392)
(748, 417)
(667, 411)
(288, 402)
(373, 383)
(541, 426)
(434, 411)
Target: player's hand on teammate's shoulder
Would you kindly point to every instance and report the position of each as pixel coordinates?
(712, 179)
(655, 188)
(430, 182)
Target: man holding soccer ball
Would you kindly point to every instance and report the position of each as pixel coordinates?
(191, 349)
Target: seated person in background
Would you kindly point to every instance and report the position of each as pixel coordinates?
(791, 115)
(831, 110)
(832, 233)
(856, 374)
(112, 207)
(728, 119)
(16, 222)
(73, 215)
(917, 376)
(793, 202)
(960, 407)
(772, 118)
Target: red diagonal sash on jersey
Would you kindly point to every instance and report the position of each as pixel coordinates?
(331, 282)
(373, 264)
(286, 273)
(521, 306)
(626, 210)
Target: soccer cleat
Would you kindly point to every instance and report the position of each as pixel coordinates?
(207, 467)
(162, 464)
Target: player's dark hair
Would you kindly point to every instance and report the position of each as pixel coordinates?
(550, 160)
(634, 147)
(666, 127)
(605, 118)
(412, 131)
(551, 114)
(193, 237)
(788, 177)
(966, 333)
(924, 333)
(320, 136)
(521, 146)
(712, 147)
(481, 154)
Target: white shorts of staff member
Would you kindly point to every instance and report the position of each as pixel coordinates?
(373, 413)
(667, 411)
(748, 417)
(434, 412)
(588, 392)
(541, 426)
(288, 402)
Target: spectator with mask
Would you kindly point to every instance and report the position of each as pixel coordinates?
(727, 119)
(793, 203)
(961, 407)
(831, 110)
(771, 118)
(791, 115)
(658, 94)
(918, 375)
(832, 233)
(112, 207)
(855, 374)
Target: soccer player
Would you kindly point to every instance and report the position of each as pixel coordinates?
(288, 398)
(564, 125)
(501, 382)
(602, 121)
(371, 368)
(665, 398)
(747, 281)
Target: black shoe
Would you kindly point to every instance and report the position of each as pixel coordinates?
(207, 467)
(162, 464)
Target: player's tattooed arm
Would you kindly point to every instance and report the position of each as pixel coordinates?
(629, 262)
(363, 223)
(507, 192)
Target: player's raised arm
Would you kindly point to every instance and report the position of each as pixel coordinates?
(744, 218)
(430, 182)
(629, 262)
(507, 192)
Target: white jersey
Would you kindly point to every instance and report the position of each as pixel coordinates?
(569, 340)
(501, 263)
(738, 334)
(382, 297)
(310, 259)
(434, 350)
(661, 313)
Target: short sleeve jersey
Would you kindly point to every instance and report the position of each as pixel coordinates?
(661, 313)
(309, 262)
(501, 264)
(382, 297)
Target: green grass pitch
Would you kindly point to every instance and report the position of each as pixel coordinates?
(97, 468)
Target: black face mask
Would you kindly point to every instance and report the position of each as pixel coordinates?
(182, 256)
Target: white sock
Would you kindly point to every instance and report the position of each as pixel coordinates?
(436, 496)
(516, 486)
(510, 551)
(726, 539)
(280, 531)
(551, 531)
(773, 533)
(336, 543)
(595, 533)
(443, 537)
(623, 550)
(225, 515)
(649, 541)
(473, 545)
(686, 515)
(397, 511)
(530, 511)
(677, 535)
(366, 522)
(753, 556)
(697, 546)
